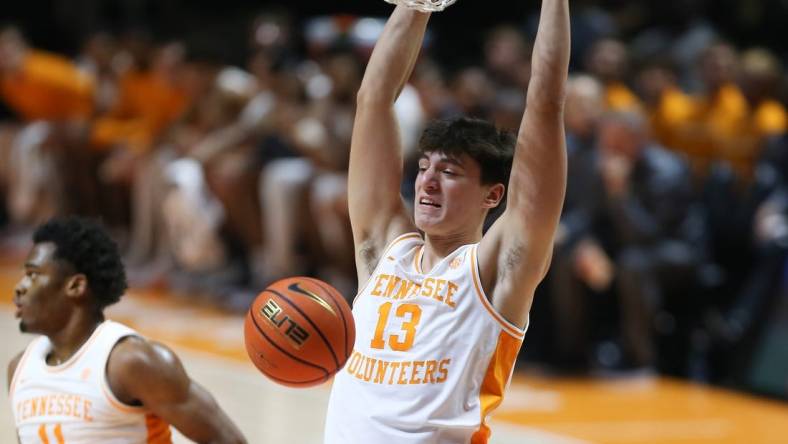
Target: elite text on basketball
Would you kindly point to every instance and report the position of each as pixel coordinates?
(286, 326)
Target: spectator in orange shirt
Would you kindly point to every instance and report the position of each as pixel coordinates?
(717, 125)
(723, 108)
(608, 61)
(42, 86)
(760, 79)
(739, 111)
(149, 100)
(673, 114)
(54, 99)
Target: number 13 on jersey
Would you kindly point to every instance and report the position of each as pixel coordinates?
(410, 314)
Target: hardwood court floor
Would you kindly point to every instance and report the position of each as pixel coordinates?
(535, 410)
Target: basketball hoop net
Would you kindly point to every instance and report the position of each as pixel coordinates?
(424, 5)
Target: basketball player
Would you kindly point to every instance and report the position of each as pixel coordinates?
(88, 379)
(440, 318)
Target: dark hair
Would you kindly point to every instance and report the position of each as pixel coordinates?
(492, 148)
(87, 247)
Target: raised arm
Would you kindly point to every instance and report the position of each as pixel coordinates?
(149, 373)
(377, 213)
(515, 253)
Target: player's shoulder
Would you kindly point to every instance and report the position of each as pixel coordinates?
(137, 365)
(138, 352)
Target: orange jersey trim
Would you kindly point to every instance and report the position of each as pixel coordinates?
(506, 325)
(495, 381)
(158, 430)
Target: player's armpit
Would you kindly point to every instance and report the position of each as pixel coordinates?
(511, 265)
(145, 373)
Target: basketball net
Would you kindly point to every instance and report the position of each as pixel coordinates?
(424, 5)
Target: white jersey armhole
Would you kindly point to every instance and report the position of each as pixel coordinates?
(20, 367)
(107, 390)
(389, 247)
(507, 326)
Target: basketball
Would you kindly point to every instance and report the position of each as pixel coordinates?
(299, 331)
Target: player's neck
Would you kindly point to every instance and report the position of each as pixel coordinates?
(438, 247)
(69, 339)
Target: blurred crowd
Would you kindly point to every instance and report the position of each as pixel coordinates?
(219, 179)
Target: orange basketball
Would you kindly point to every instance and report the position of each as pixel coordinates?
(299, 331)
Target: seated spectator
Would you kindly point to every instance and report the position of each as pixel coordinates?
(584, 106)
(39, 85)
(100, 57)
(631, 233)
(671, 111)
(507, 59)
(54, 99)
(748, 244)
(722, 110)
(151, 97)
(608, 61)
(296, 240)
(761, 74)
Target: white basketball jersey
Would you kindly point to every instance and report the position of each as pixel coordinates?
(72, 403)
(432, 357)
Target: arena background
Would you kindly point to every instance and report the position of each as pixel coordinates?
(707, 387)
